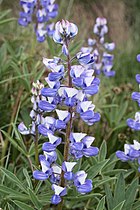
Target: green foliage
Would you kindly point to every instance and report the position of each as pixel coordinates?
(115, 185)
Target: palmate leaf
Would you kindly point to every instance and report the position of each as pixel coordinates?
(101, 204)
(114, 172)
(95, 169)
(10, 207)
(103, 151)
(119, 206)
(45, 198)
(22, 205)
(15, 144)
(83, 197)
(131, 193)
(119, 194)
(109, 197)
(136, 205)
(111, 163)
(97, 183)
(13, 178)
(34, 199)
(11, 193)
(28, 179)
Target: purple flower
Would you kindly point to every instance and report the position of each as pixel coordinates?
(59, 191)
(46, 106)
(81, 145)
(136, 97)
(82, 184)
(24, 19)
(50, 156)
(138, 78)
(70, 96)
(64, 117)
(100, 28)
(23, 129)
(44, 12)
(48, 92)
(50, 29)
(56, 174)
(40, 32)
(74, 102)
(65, 50)
(91, 42)
(85, 109)
(138, 57)
(57, 73)
(46, 170)
(67, 168)
(52, 144)
(64, 29)
(43, 130)
(85, 58)
(109, 46)
(131, 152)
(134, 124)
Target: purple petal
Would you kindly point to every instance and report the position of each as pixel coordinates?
(136, 96)
(91, 151)
(39, 175)
(85, 188)
(69, 176)
(133, 124)
(53, 76)
(77, 146)
(121, 155)
(48, 92)
(23, 129)
(138, 57)
(55, 199)
(46, 106)
(134, 153)
(48, 147)
(43, 130)
(138, 78)
(87, 115)
(59, 124)
(91, 90)
(65, 50)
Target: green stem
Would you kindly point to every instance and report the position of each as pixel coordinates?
(36, 148)
(68, 130)
(30, 163)
(60, 206)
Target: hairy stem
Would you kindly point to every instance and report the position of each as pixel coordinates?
(30, 163)
(36, 148)
(68, 129)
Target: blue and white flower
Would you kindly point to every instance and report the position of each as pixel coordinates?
(82, 184)
(59, 191)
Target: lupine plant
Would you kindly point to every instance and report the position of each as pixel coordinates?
(67, 97)
(132, 151)
(51, 160)
(101, 49)
(40, 12)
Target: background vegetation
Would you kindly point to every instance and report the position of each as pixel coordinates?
(21, 64)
